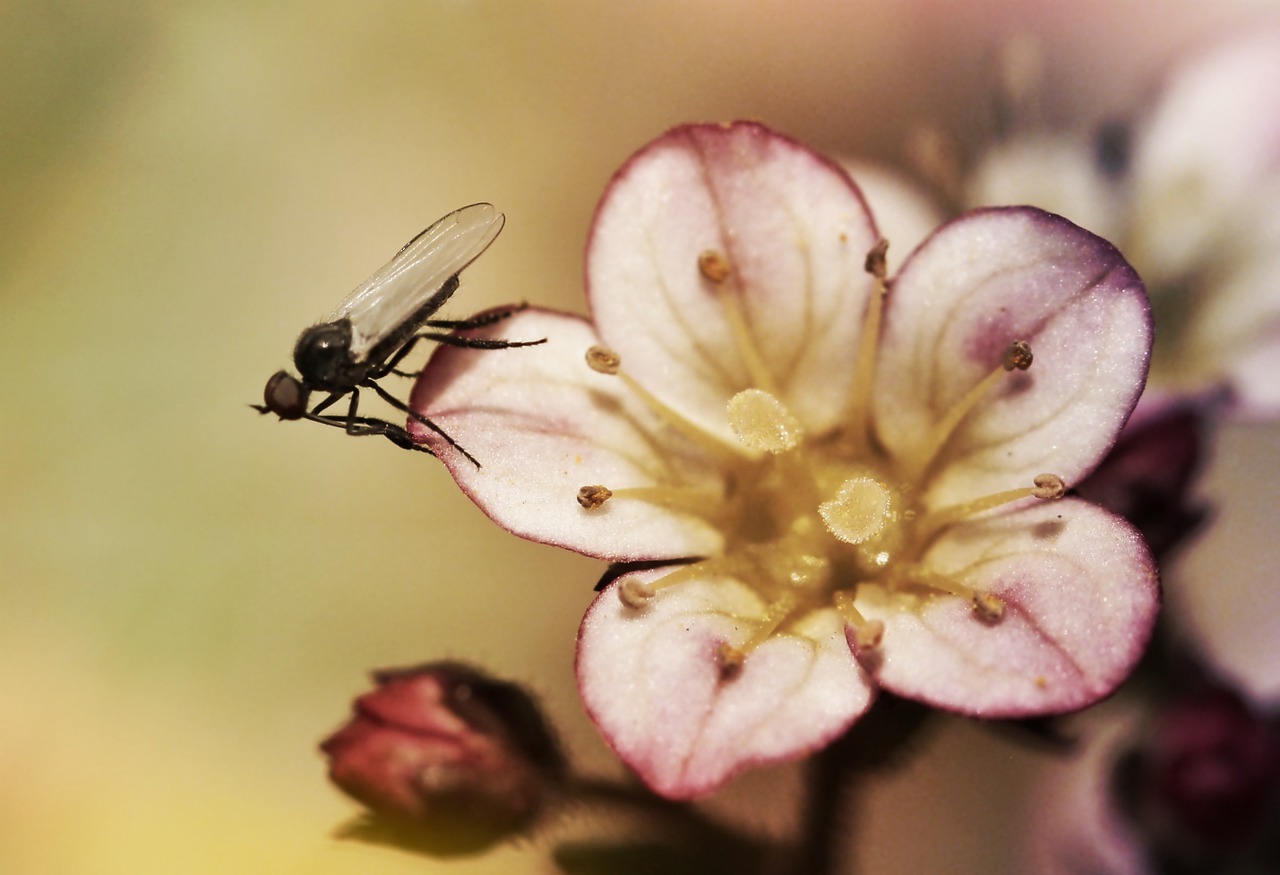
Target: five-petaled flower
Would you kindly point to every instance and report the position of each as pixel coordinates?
(828, 481)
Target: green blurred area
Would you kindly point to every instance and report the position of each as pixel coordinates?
(190, 594)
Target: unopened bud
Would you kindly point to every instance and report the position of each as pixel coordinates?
(446, 758)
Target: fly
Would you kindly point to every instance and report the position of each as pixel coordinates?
(378, 324)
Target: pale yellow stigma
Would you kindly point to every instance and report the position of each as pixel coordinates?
(858, 512)
(762, 422)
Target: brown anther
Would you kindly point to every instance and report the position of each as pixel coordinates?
(591, 497)
(730, 659)
(877, 262)
(603, 360)
(714, 266)
(1050, 486)
(988, 606)
(1018, 356)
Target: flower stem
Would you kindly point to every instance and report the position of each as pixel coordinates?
(836, 774)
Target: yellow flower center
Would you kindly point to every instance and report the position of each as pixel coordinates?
(808, 522)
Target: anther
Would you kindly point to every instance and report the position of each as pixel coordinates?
(877, 263)
(988, 606)
(591, 497)
(867, 634)
(634, 593)
(731, 659)
(1018, 356)
(1049, 487)
(603, 360)
(714, 266)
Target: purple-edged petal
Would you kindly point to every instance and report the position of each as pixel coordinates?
(981, 282)
(542, 424)
(1080, 594)
(795, 233)
(652, 682)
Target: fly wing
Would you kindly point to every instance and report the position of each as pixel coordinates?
(384, 301)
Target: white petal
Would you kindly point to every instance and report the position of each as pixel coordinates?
(981, 282)
(1080, 595)
(795, 234)
(652, 682)
(542, 424)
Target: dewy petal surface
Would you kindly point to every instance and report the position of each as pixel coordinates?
(652, 682)
(981, 282)
(1080, 595)
(543, 424)
(795, 232)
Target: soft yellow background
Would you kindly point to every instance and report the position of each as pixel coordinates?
(189, 593)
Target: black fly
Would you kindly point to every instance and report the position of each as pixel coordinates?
(377, 325)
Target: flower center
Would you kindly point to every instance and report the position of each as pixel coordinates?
(809, 522)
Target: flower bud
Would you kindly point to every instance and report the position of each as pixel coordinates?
(1203, 781)
(445, 757)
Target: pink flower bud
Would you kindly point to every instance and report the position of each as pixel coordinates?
(449, 758)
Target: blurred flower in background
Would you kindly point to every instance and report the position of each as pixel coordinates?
(1189, 188)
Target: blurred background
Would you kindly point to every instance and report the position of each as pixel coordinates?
(190, 594)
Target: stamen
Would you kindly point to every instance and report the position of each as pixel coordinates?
(867, 633)
(762, 422)
(774, 616)
(987, 605)
(592, 497)
(604, 360)
(1047, 486)
(858, 415)
(1016, 357)
(716, 268)
(635, 593)
(688, 499)
(858, 512)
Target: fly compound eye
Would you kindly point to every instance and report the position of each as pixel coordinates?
(323, 353)
(285, 396)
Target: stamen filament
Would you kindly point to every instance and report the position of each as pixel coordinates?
(1017, 357)
(1047, 486)
(867, 633)
(776, 613)
(604, 360)
(716, 269)
(987, 605)
(858, 413)
(690, 499)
